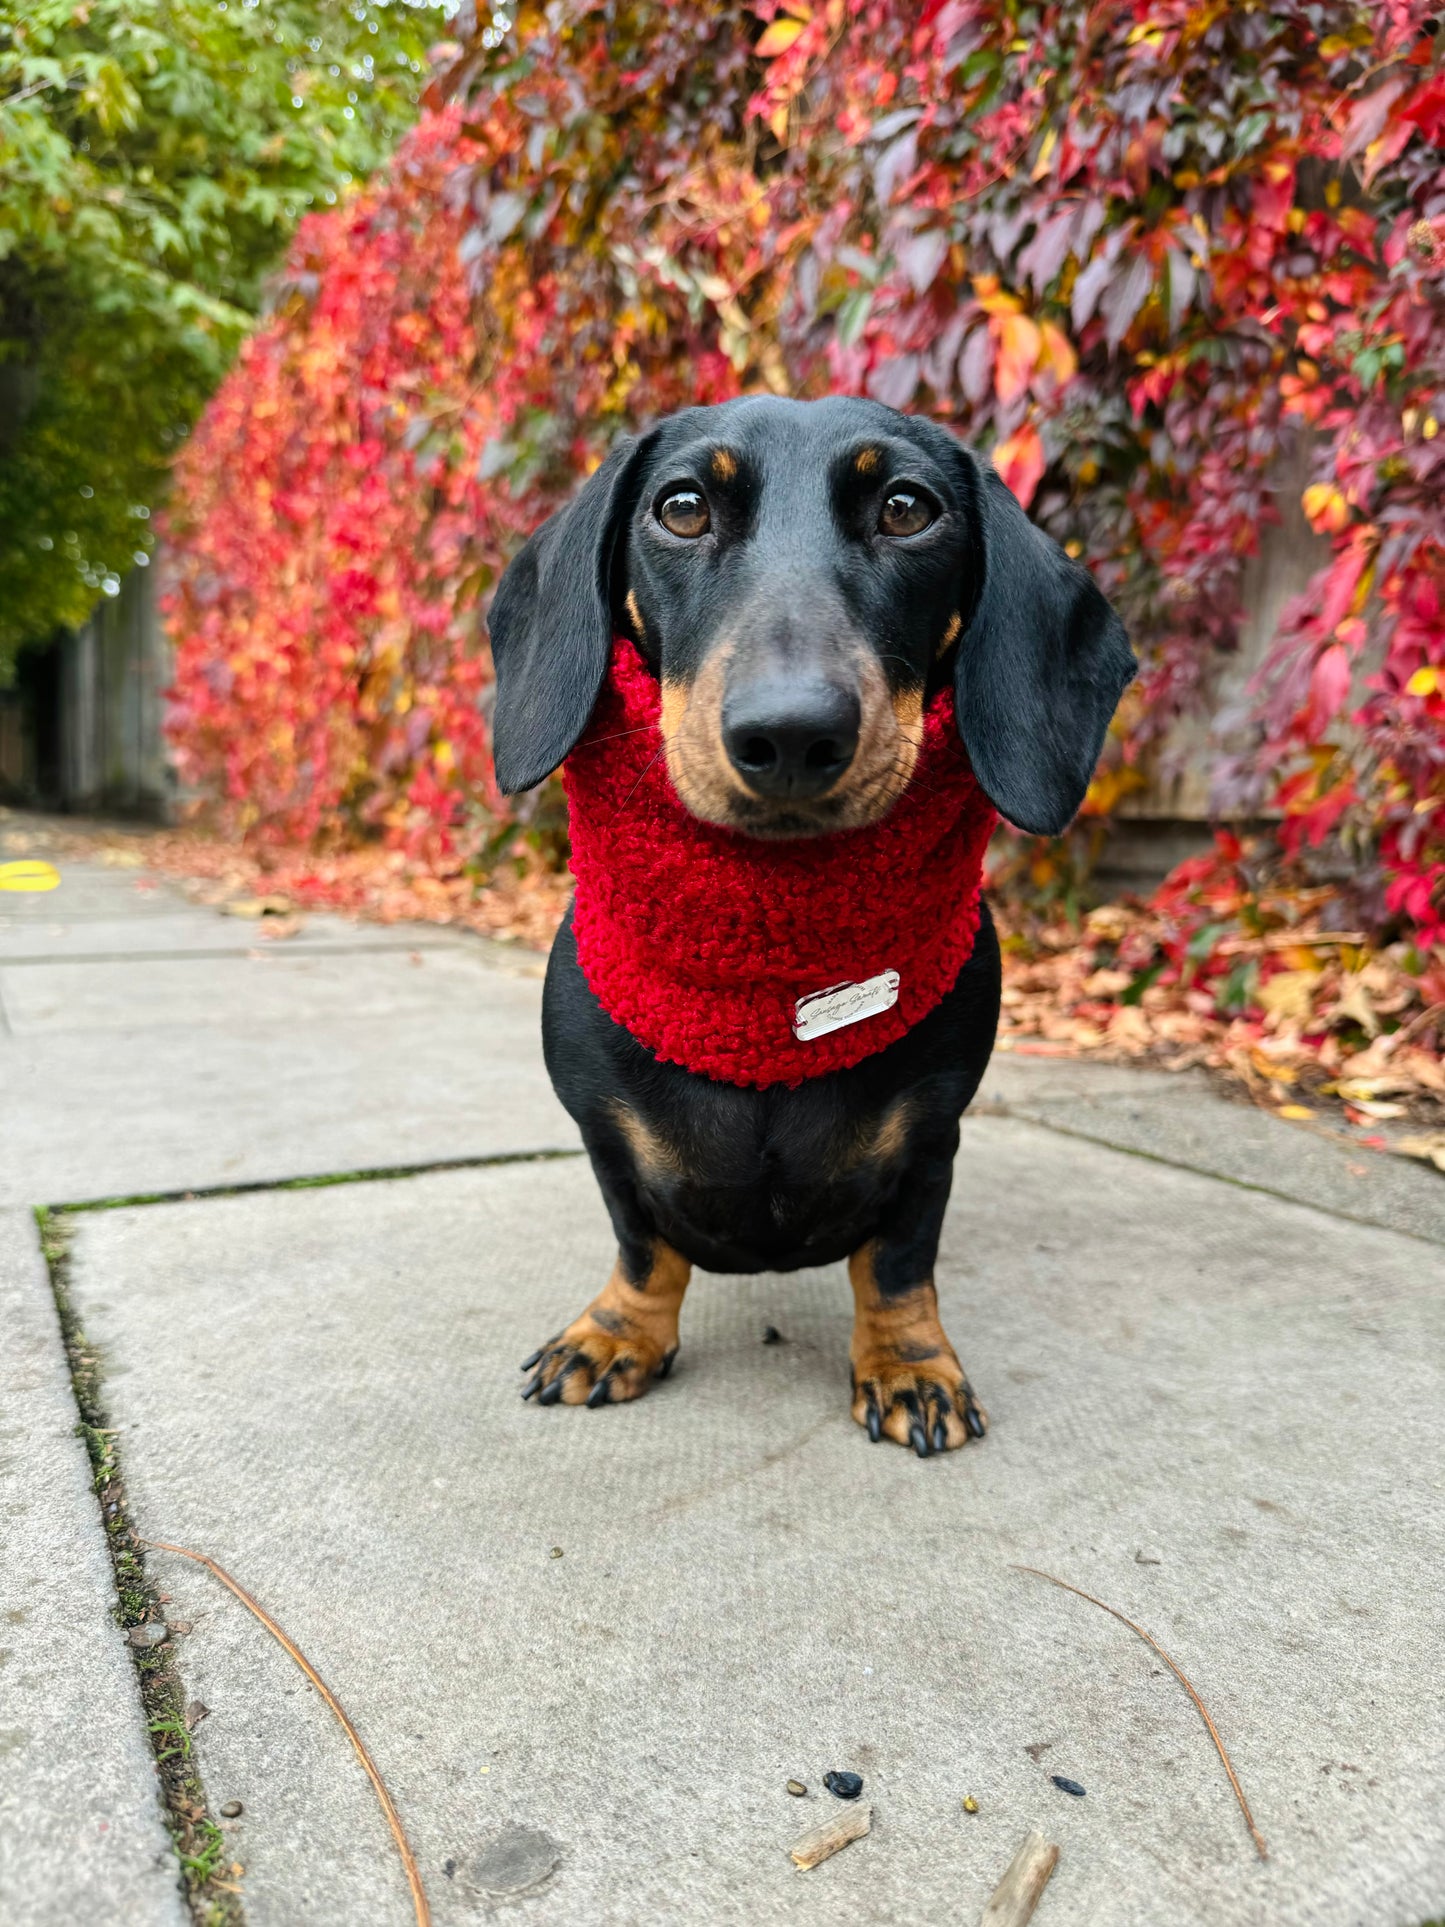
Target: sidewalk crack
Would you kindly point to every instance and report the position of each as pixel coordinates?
(201, 1848)
(997, 1107)
(371, 1174)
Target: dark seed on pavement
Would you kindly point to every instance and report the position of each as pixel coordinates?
(1067, 1786)
(772, 1336)
(848, 1786)
(232, 1809)
(797, 1789)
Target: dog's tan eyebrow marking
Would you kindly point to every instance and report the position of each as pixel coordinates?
(635, 612)
(866, 460)
(724, 464)
(950, 635)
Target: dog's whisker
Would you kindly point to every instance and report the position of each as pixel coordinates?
(617, 735)
(647, 767)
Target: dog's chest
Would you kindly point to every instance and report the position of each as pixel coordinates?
(795, 1184)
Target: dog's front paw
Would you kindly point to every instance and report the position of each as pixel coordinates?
(907, 1382)
(591, 1364)
(626, 1338)
(926, 1403)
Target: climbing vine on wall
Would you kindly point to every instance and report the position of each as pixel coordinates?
(1136, 251)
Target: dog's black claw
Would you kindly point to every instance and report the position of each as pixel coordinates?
(551, 1393)
(918, 1439)
(529, 1390)
(940, 1435)
(664, 1370)
(973, 1419)
(527, 1363)
(601, 1393)
(875, 1423)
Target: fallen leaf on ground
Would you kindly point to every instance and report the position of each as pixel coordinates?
(1431, 1148)
(258, 907)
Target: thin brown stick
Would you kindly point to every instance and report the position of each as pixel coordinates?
(393, 1818)
(1260, 1848)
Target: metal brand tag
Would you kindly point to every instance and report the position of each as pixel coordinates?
(843, 1004)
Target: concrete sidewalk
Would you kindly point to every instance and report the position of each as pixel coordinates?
(1213, 1353)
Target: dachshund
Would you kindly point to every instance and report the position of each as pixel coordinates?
(802, 581)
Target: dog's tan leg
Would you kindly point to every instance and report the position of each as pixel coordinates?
(907, 1382)
(626, 1337)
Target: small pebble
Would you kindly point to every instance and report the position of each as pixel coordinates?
(232, 1809)
(555, 1553)
(797, 1789)
(1067, 1786)
(772, 1336)
(153, 1633)
(847, 1786)
(970, 1805)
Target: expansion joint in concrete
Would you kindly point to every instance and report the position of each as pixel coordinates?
(201, 1848)
(1022, 1114)
(373, 1174)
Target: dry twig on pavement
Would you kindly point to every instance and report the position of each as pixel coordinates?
(1260, 1848)
(393, 1818)
(1017, 1894)
(819, 1843)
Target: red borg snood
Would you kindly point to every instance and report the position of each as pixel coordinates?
(703, 942)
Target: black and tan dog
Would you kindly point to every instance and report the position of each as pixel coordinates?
(800, 576)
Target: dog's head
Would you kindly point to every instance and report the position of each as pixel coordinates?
(801, 576)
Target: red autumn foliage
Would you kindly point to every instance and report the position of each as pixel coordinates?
(1134, 251)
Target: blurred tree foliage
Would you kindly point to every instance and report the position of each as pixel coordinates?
(155, 156)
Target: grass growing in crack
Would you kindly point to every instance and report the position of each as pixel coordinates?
(174, 1730)
(201, 1847)
(209, 1854)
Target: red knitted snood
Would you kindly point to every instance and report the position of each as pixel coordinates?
(702, 942)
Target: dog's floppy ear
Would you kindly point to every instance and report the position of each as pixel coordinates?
(551, 626)
(1040, 668)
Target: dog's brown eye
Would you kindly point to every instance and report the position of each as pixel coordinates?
(684, 512)
(904, 513)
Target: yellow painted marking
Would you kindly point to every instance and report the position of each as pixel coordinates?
(29, 874)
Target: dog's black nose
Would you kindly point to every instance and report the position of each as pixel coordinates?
(792, 737)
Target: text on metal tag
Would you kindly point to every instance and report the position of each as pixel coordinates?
(844, 1004)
